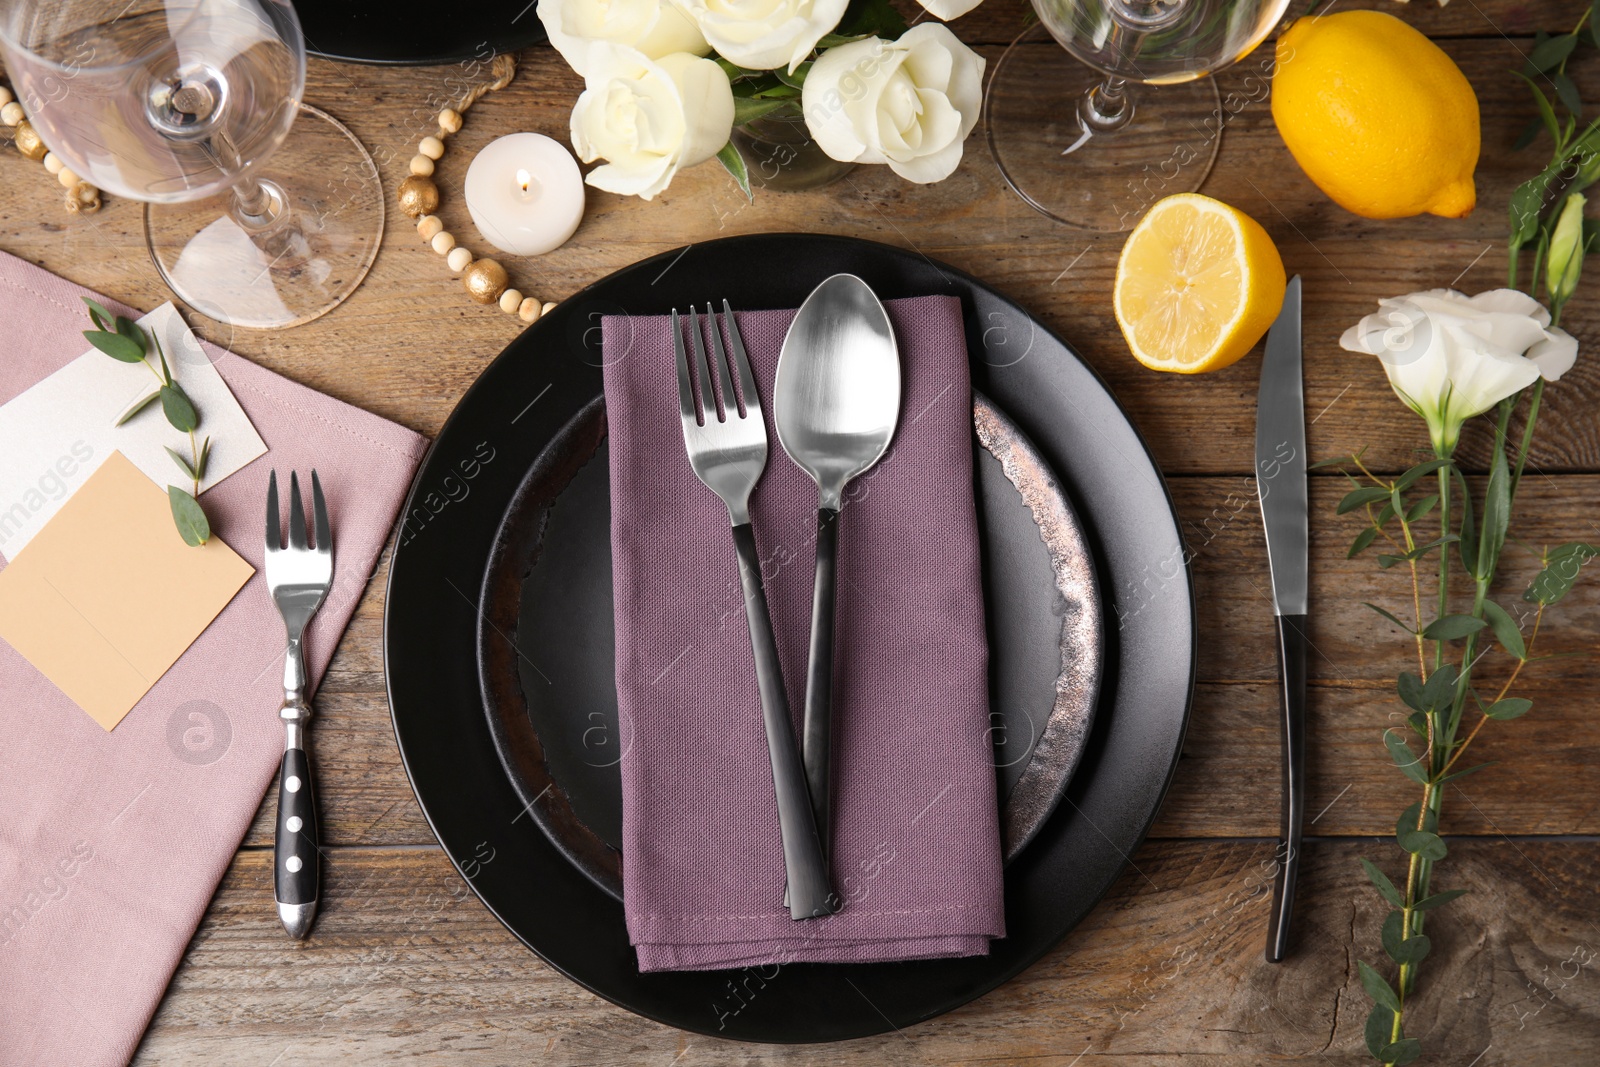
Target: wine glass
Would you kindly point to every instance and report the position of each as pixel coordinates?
(1078, 144)
(187, 105)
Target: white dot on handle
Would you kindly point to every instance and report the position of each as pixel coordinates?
(292, 783)
(293, 824)
(293, 864)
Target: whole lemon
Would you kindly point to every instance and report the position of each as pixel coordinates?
(1377, 115)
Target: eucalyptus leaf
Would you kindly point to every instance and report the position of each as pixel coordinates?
(1410, 764)
(1550, 54)
(1358, 498)
(1437, 899)
(116, 346)
(734, 164)
(1387, 561)
(183, 464)
(1401, 1052)
(1561, 567)
(1440, 692)
(1567, 92)
(205, 457)
(1377, 987)
(1388, 616)
(137, 406)
(179, 411)
(131, 330)
(1386, 888)
(1529, 132)
(1362, 542)
(1505, 629)
(1379, 1028)
(1336, 461)
(1406, 480)
(1408, 820)
(1410, 688)
(188, 516)
(1418, 721)
(166, 372)
(1400, 948)
(1429, 846)
(1422, 507)
(1452, 776)
(100, 316)
(1452, 627)
(1509, 708)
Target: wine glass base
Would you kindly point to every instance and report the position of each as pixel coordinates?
(300, 266)
(1075, 174)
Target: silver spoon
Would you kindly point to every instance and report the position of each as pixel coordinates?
(835, 402)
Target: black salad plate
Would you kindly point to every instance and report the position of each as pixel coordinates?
(539, 390)
(417, 32)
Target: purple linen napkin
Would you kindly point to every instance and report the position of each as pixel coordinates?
(916, 855)
(111, 844)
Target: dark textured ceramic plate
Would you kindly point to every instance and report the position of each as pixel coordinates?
(534, 391)
(414, 32)
(547, 596)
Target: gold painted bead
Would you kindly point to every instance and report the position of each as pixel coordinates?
(67, 178)
(421, 166)
(12, 113)
(529, 310)
(429, 226)
(418, 196)
(431, 147)
(83, 199)
(549, 306)
(485, 280)
(443, 242)
(449, 121)
(5, 96)
(52, 163)
(458, 259)
(28, 142)
(510, 301)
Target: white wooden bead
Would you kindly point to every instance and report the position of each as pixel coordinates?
(52, 164)
(431, 147)
(449, 121)
(443, 242)
(428, 226)
(510, 301)
(67, 178)
(421, 166)
(5, 96)
(12, 113)
(459, 259)
(529, 310)
(549, 306)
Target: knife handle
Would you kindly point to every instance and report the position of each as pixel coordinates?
(1294, 648)
(296, 850)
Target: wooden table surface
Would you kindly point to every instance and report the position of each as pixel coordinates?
(406, 964)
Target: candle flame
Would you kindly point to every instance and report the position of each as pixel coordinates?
(524, 180)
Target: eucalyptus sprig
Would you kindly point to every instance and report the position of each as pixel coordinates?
(125, 341)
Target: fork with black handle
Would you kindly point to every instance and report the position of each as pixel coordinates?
(298, 577)
(728, 451)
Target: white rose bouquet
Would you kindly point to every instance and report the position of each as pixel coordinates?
(666, 82)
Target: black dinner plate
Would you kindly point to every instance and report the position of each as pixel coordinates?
(452, 517)
(416, 31)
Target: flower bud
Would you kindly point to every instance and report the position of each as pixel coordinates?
(1565, 261)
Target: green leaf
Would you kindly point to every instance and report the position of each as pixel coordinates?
(1409, 763)
(1568, 93)
(1561, 567)
(205, 457)
(1529, 132)
(1496, 516)
(1470, 770)
(778, 92)
(179, 411)
(1358, 498)
(1418, 721)
(1550, 54)
(1362, 542)
(1377, 987)
(183, 464)
(869, 17)
(1386, 888)
(1402, 1052)
(1469, 528)
(1528, 199)
(1379, 1028)
(1388, 616)
(1505, 629)
(1336, 461)
(130, 329)
(1437, 899)
(1440, 692)
(1387, 561)
(748, 110)
(137, 406)
(100, 316)
(1509, 708)
(834, 40)
(188, 517)
(116, 346)
(1402, 949)
(797, 80)
(166, 373)
(733, 163)
(1410, 687)
(1452, 627)
(1406, 480)
(1429, 846)
(1422, 507)
(1408, 820)
(1547, 114)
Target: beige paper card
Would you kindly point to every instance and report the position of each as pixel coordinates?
(106, 597)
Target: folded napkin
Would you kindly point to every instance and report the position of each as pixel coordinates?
(111, 844)
(916, 855)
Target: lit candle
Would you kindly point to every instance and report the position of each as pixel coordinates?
(525, 193)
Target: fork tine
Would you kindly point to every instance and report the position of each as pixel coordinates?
(297, 514)
(708, 394)
(274, 528)
(685, 389)
(319, 515)
(719, 355)
(747, 383)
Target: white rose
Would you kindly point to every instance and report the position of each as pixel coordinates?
(764, 34)
(908, 103)
(648, 117)
(1450, 357)
(654, 27)
(949, 9)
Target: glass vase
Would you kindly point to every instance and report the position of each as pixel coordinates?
(780, 154)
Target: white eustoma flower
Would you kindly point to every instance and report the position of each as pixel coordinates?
(648, 118)
(765, 34)
(655, 27)
(1450, 356)
(909, 103)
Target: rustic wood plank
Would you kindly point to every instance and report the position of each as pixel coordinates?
(406, 965)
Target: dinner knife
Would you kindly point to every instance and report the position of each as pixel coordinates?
(1281, 487)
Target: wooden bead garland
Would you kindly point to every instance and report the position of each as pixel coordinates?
(82, 198)
(485, 280)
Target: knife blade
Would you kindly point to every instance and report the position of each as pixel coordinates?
(1281, 488)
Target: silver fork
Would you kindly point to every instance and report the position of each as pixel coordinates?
(728, 450)
(298, 578)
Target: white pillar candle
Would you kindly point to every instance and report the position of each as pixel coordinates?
(525, 193)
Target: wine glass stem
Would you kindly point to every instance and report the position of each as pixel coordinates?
(1107, 106)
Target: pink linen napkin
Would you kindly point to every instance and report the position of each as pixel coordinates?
(111, 844)
(916, 856)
